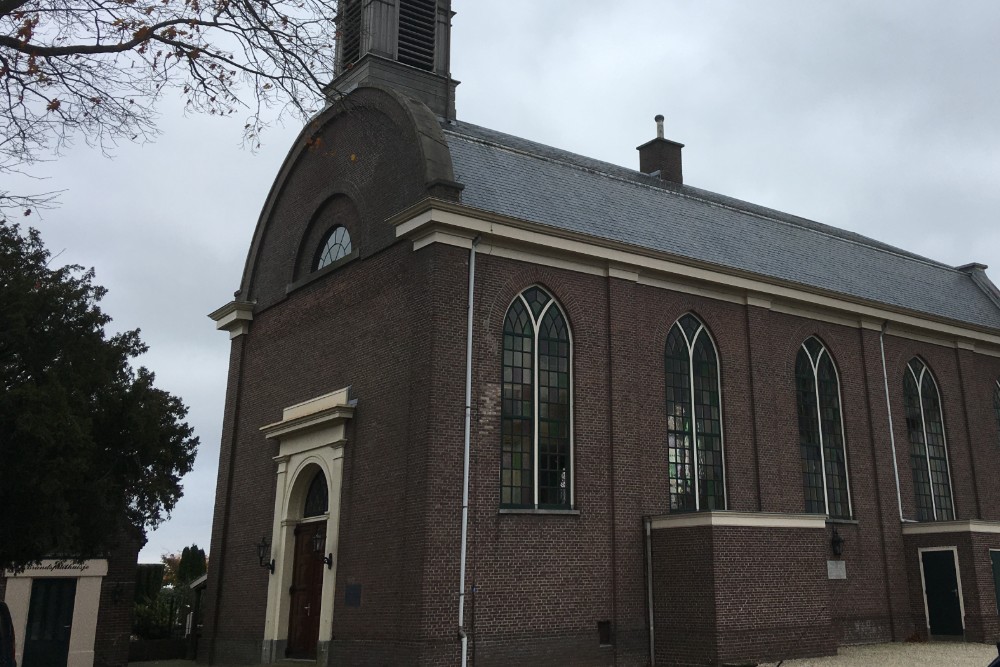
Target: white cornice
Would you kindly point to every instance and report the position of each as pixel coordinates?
(738, 519)
(234, 317)
(322, 419)
(937, 527)
(432, 221)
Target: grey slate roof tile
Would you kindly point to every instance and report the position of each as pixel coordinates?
(529, 181)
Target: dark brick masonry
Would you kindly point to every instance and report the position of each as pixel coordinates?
(391, 324)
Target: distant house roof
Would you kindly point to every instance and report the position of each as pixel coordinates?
(540, 184)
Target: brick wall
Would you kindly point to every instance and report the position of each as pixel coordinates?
(392, 325)
(684, 588)
(114, 618)
(368, 324)
(740, 595)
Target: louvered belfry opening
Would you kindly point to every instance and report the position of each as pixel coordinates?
(416, 33)
(402, 45)
(350, 32)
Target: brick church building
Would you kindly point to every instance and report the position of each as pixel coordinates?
(493, 403)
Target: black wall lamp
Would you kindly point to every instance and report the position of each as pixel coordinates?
(264, 553)
(319, 543)
(837, 543)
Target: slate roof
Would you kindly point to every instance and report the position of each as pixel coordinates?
(529, 181)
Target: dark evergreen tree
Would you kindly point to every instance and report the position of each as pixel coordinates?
(88, 445)
(192, 565)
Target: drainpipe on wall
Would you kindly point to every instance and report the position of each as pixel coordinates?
(465, 475)
(888, 407)
(649, 588)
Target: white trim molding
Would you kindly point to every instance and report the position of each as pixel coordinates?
(938, 527)
(725, 518)
(234, 317)
(431, 221)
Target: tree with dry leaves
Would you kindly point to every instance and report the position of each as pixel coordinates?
(95, 69)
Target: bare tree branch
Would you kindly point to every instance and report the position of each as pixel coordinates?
(95, 69)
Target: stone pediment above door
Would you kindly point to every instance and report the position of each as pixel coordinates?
(313, 424)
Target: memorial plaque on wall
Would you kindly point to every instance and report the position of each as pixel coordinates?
(836, 569)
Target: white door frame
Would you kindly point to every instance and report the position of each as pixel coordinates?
(958, 577)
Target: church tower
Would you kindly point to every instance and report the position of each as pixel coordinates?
(399, 44)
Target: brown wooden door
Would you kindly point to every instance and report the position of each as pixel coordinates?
(306, 589)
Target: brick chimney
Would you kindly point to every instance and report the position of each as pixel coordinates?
(662, 156)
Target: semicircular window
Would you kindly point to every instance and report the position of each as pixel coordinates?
(335, 245)
(317, 498)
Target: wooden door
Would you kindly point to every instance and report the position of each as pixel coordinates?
(306, 589)
(50, 620)
(944, 608)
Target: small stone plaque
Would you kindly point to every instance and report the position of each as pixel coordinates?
(352, 595)
(836, 569)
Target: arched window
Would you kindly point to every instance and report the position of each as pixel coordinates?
(536, 468)
(317, 497)
(335, 245)
(821, 432)
(928, 448)
(695, 469)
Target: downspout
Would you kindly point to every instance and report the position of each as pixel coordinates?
(465, 473)
(649, 589)
(888, 408)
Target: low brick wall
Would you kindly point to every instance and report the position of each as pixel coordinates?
(739, 594)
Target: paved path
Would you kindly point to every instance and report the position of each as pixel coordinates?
(876, 655)
(904, 655)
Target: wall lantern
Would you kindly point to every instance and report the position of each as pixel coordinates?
(319, 543)
(837, 543)
(263, 553)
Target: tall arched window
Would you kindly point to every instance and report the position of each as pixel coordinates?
(821, 432)
(695, 468)
(928, 448)
(536, 424)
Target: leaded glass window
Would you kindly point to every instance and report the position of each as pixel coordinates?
(821, 432)
(928, 448)
(335, 245)
(536, 428)
(695, 467)
(317, 497)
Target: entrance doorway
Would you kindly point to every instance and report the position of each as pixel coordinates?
(50, 619)
(942, 591)
(306, 593)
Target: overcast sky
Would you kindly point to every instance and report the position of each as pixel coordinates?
(878, 116)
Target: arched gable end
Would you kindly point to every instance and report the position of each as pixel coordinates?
(376, 150)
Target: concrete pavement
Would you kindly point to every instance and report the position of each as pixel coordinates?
(944, 654)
